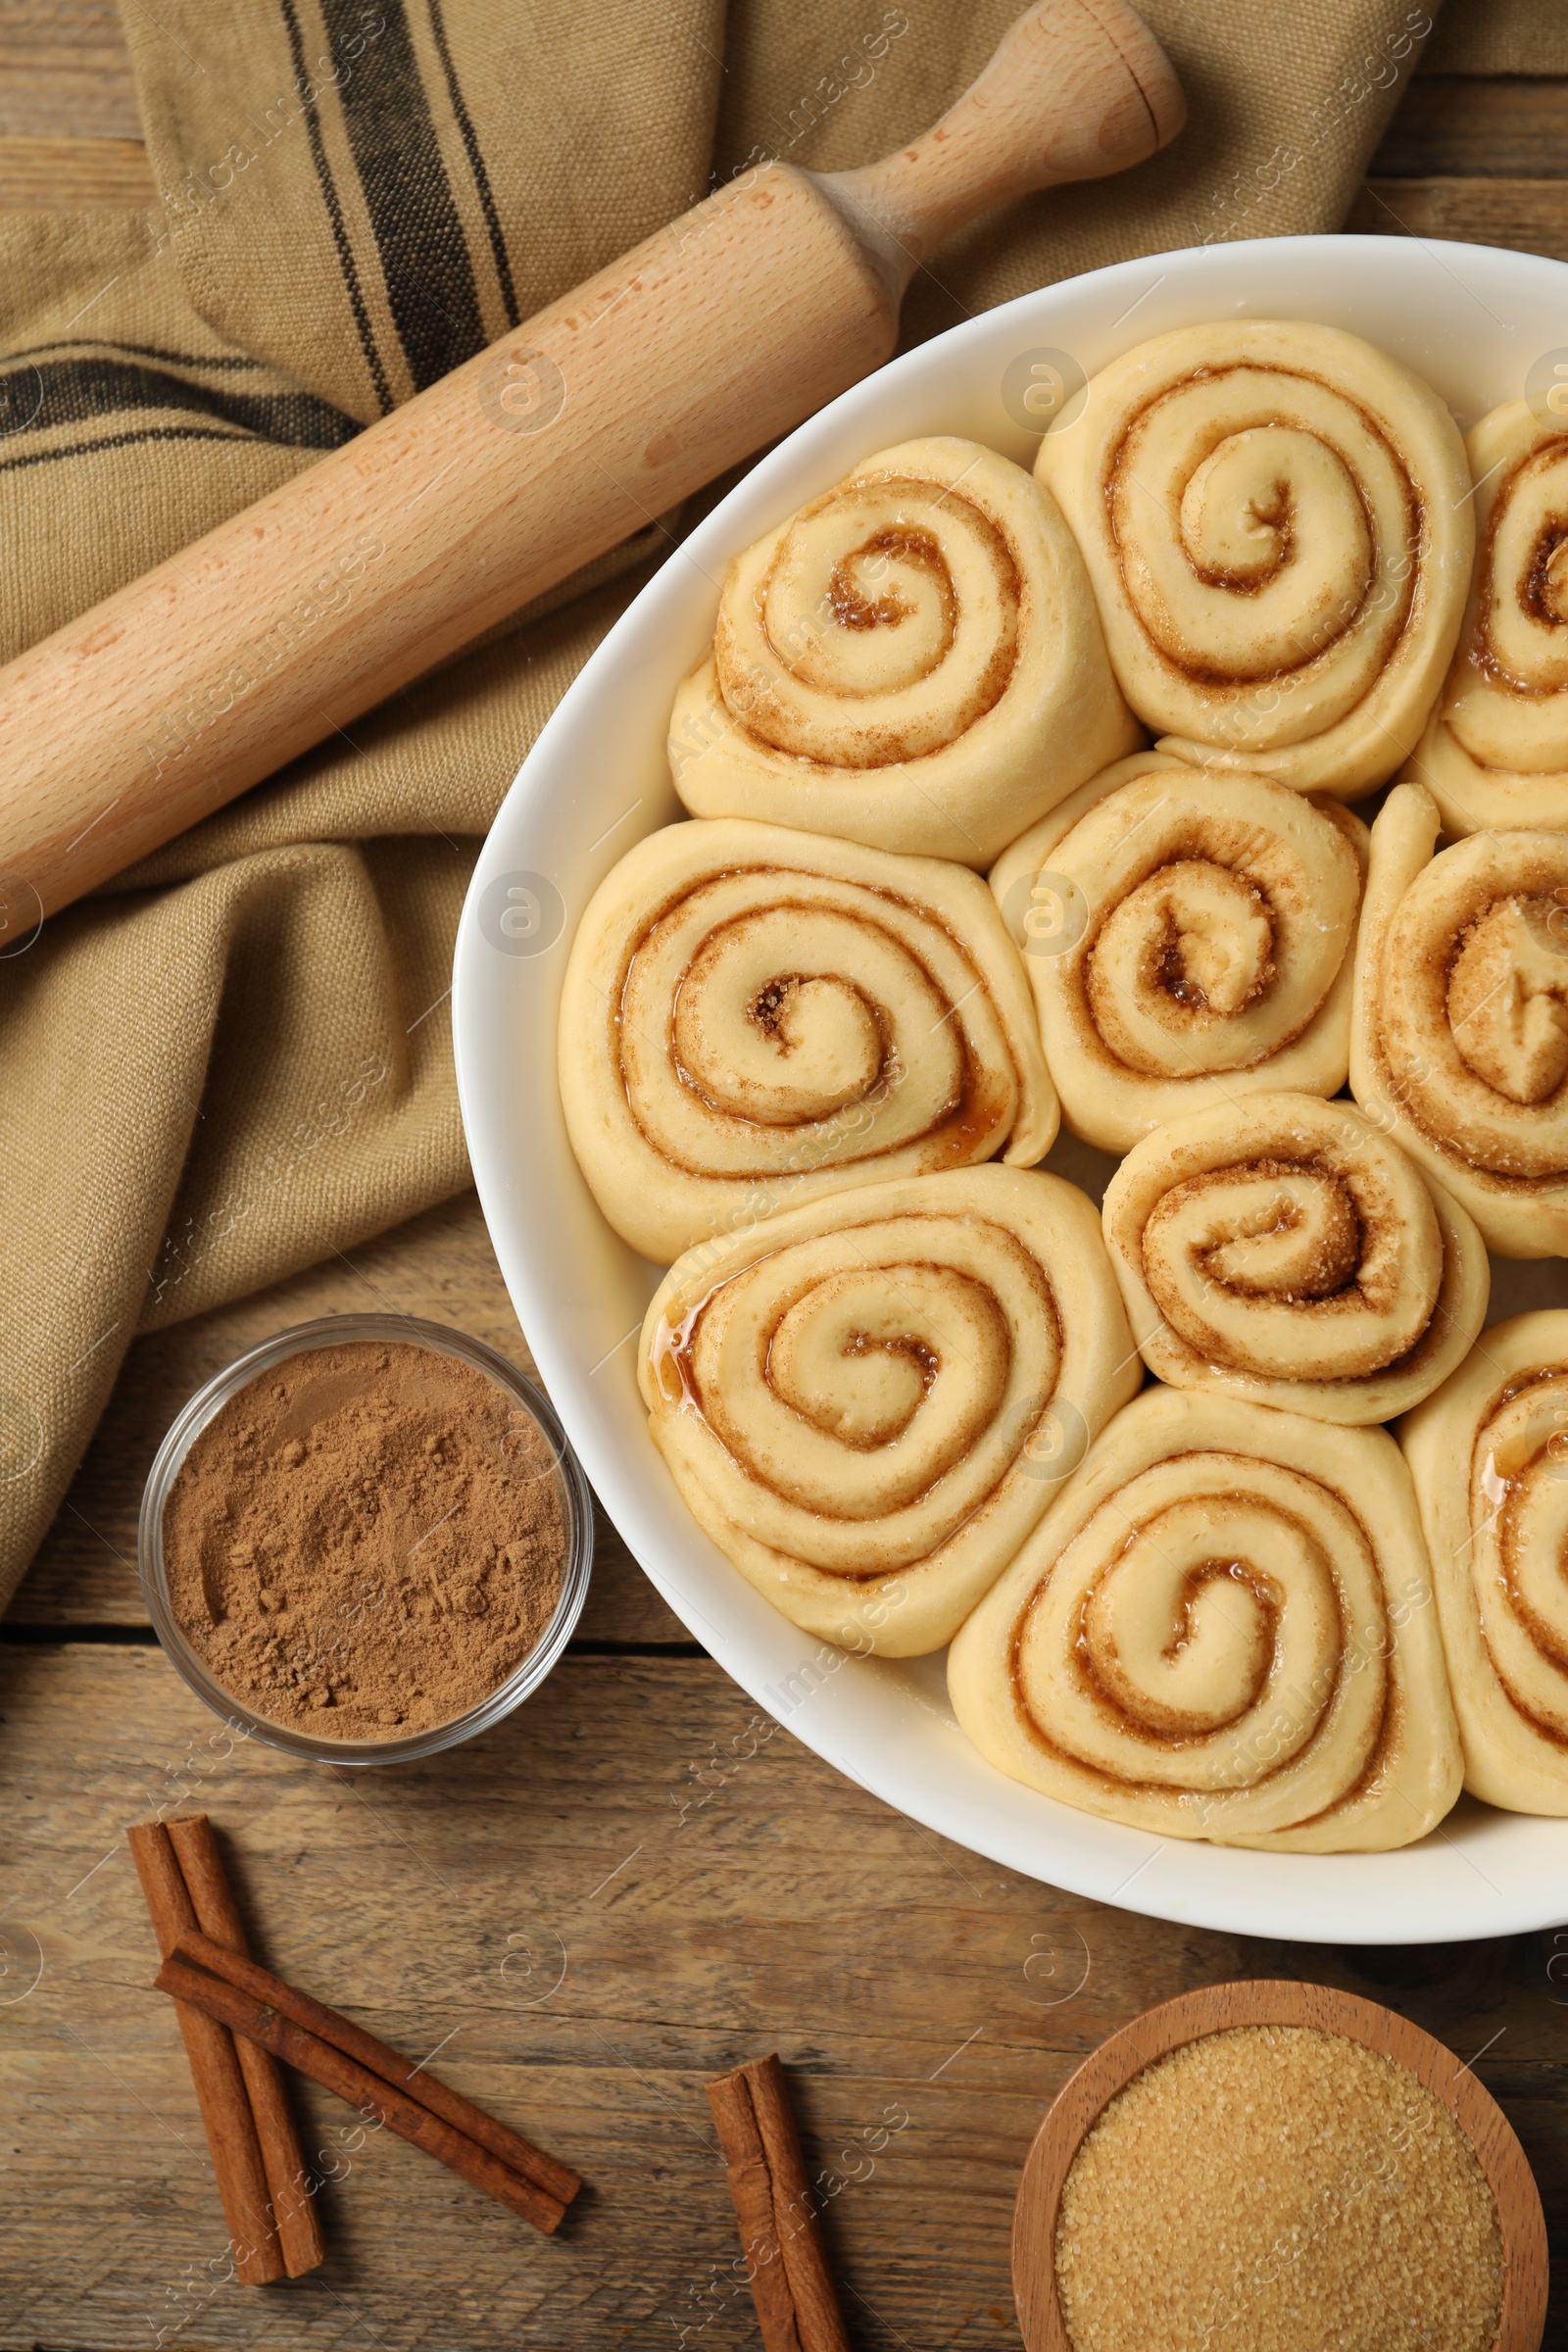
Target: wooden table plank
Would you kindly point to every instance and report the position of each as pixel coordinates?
(1505, 126)
(701, 1915)
(64, 69)
(74, 176)
(1530, 216)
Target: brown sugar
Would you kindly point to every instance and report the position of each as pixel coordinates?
(1268, 2188)
(365, 1541)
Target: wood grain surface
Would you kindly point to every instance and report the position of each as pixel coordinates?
(66, 71)
(103, 174)
(635, 1883)
(601, 1903)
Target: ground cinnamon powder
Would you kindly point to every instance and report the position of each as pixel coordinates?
(1269, 2188)
(365, 1541)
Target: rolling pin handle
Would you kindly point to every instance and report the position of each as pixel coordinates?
(1075, 90)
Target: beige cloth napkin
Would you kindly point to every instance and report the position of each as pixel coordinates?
(239, 1060)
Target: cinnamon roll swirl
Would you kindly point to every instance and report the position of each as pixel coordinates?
(1189, 940)
(1459, 1038)
(1489, 1455)
(1282, 1249)
(1495, 749)
(869, 1403)
(913, 660)
(752, 1016)
(1276, 519)
(1222, 1630)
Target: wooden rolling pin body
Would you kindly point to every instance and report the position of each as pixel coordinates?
(717, 334)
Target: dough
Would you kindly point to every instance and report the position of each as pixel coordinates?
(1489, 1455)
(869, 1403)
(1495, 749)
(1276, 521)
(1223, 1630)
(1281, 1249)
(1459, 1033)
(1189, 940)
(752, 1017)
(913, 660)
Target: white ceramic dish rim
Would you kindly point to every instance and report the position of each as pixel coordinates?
(1471, 319)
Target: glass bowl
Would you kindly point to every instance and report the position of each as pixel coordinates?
(571, 1487)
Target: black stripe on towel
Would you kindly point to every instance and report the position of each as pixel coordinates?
(140, 351)
(413, 213)
(481, 178)
(74, 390)
(150, 432)
(335, 211)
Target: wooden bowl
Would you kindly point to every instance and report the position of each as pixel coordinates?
(1079, 2103)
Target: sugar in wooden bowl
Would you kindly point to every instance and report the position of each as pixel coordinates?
(1270, 2167)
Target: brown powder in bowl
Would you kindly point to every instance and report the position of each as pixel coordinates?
(1275, 2188)
(365, 1541)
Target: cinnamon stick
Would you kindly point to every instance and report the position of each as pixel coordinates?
(215, 2068)
(371, 2093)
(792, 2287)
(379, 2057)
(299, 2225)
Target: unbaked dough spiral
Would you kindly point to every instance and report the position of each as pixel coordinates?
(869, 1403)
(1277, 521)
(1495, 749)
(1224, 1630)
(752, 1016)
(1459, 1038)
(913, 660)
(1189, 940)
(1282, 1249)
(1489, 1455)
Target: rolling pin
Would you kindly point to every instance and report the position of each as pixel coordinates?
(576, 429)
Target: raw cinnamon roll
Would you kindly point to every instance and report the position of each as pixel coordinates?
(1495, 749)
(869, 1405)
(1282, 1249)
(1189, 939)
(912, 661)
(1459, 1040)
(1489, 1455)
(752, 1016)
(1277, 521)
(1223, 1630)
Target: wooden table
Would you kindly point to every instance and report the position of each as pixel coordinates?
(636, 1882)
